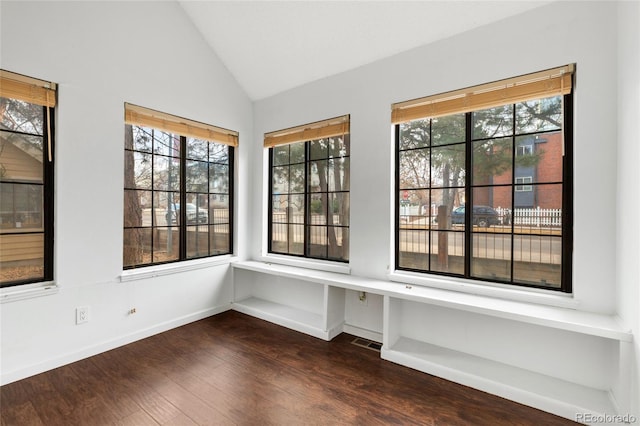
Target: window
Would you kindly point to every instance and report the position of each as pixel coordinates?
(309, 190)
(178, 188)
(482, 147)
(523, 184)
(524, 150)
(26, 179)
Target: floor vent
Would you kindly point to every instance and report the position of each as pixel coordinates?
(369, 344)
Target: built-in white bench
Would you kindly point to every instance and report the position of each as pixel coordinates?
(325, 320)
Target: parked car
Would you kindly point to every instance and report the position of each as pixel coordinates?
(483, 216)
(194, 214)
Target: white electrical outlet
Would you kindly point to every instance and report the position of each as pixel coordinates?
(82, 314)
(362, 297)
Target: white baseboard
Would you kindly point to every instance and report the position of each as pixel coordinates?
(21, 373)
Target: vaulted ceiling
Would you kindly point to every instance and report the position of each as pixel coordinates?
(273, 46)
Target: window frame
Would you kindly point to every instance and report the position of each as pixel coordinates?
(566, 285)
(183, 191)
(307, 194)
(44, 95)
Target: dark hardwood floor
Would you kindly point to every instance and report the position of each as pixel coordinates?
(235, 369)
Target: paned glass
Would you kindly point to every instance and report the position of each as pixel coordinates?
(297, 152)
(197, 149)
(23, 257)
(296, 178)
(21, 157)
(448, 167)
(219, 178)
(166, 245)
(166, 144)
(338, 247)
(339, 204)
(539, 115)
(493, 122)
(538, 260)
(219, 208)
(142, 138)
(197, 176)
(280, 180)
(20, 116)
(197, 241)
(317, 180)
(219, 242)
(339, 146)
(415, 168)
(447, 252)
(491, 256)
(280, 155)
(143, 170)
(415, 134)
(414, 248)
(318, 149)
(492, 161)
(448, 129)
(218, 153)
(296, 239)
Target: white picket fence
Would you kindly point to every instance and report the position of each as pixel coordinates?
(532, 217)
(535, 217)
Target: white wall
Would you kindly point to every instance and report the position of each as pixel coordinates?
(575, 32)
(554, 35)
(103, 54)
(628, 193)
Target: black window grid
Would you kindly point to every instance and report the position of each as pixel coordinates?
(306, 194)
(184, 224)
(468, 232)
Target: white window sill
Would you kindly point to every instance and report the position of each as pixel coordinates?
(175, 268)
(316, 264)
(498, 291)
(27, 291)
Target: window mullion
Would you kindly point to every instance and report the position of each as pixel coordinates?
(397, 195)
(270, 202)
(153, 194)
(513, 191)
(208, 205)
(230, 195)
(468, 189)
(328, 214)
(307, 202)
(567, 193)
(429, 184)
(48, 196)
(182, 229)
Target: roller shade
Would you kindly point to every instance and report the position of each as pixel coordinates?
(320, 129)
(140, 116)
(27, 89)
(543, 84)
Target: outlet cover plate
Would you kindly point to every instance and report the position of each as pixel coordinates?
(82, 314)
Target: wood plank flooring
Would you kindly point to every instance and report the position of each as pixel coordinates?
(232, 369)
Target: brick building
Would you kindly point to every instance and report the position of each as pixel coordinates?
(533, 184)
